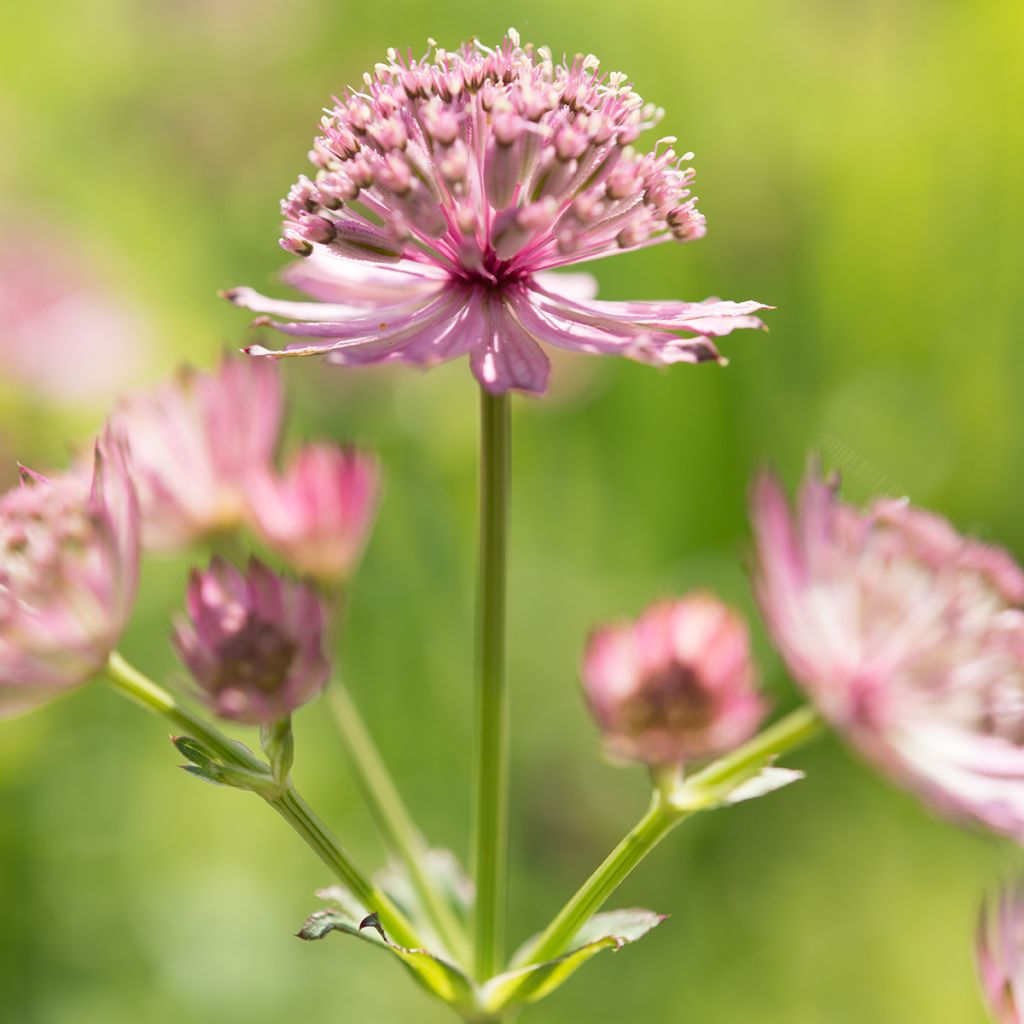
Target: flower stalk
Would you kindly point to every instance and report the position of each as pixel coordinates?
(131, 683)
(490, 837)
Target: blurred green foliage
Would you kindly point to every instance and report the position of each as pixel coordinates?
(860, 167)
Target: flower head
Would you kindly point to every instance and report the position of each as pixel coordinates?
(447, 188)
(195, 444)
(676, 685)
(319, 512)
(253, 641)
(1000, 954)
(908, 636)
(69, 560)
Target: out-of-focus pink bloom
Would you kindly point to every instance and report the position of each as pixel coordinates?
(253, 641)
(908, 636)
(319, 512)
(195, 444)
(63, 335)
(1000, 954)
(448, 188)
(676, 685)
(69, 561)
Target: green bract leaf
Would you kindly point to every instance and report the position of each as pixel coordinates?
(445, 873)
(437, 976)
(611, 930)
(195, 752)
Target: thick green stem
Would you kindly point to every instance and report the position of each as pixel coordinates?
(131, 683)
(394, 820)
(490, 836)
(666, 811)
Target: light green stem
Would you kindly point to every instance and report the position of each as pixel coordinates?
(490, 835)
(128, 681)
(662, 816)
(394, 820)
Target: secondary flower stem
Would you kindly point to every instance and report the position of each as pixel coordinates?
(393, 819)
(490, 842)
(131, 683)
(662, 816)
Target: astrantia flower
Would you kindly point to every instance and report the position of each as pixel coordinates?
(195, 443)
(253, 641)
(1000, 955)
(69, 560)
(318, 513)
(910, 639)
(448, 188)
(676, 685)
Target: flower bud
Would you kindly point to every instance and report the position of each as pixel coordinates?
(319, 512)
(676, 685)
(253, 641)
(1000, 954)
(69, 565)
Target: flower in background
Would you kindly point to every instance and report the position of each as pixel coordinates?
(253, 641)
(446, 191)
(676, 685)
(196, 442)
(54, 316)
(909, 638)
(1000, 954)
(69, 564)
(318, 513)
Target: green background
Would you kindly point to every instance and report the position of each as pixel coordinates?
(860, 168)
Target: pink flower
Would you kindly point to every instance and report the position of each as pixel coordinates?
(908, 637)
(446, 191)
(253, 641)
(69, 562)
(1000, 955)
(676, 685)
(319, 512)
(195, 444)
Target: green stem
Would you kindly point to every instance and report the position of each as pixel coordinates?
(490, 837)
(131, 683)
(662, 816)
(393, 819)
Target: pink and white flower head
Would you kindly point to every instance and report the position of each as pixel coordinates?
(1000, 954)
(319, 512)
(253, 641)
(446, 191)
(907, 636)
(69, 565)
(195, 443)
(676, 685)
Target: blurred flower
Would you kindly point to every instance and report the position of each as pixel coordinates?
(69, 561)
(675, 685)
(319, 512)
(63, 335)
(908, 637)
(449, 187)
(195, 444)
(1000, 954)
(253, 641)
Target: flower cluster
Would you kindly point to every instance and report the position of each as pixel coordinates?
(448, 189)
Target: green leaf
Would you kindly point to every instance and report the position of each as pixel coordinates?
(207, 775)
(611, 930)
(445, 873)
(195, 752)
(441, 979)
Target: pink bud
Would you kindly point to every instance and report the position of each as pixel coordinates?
(319, 512)
(1000, 954)
(253, 641)
(676, 685)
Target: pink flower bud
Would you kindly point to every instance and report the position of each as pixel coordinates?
(253, 641)
(69, 563)
(319, 512)
(676, 685)
(195, 442)
(1000, 955)
(909, 638)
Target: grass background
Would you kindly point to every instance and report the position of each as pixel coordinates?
(859, 165)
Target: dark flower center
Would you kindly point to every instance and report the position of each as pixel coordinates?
(671, 699)
(256, 657)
